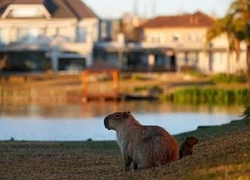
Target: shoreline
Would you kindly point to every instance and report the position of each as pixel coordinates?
(178, 135)
(26, 132)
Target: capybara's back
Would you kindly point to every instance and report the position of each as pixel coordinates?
(156, 147)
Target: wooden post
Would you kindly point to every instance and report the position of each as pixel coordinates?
(115, 75)
(84, 85)
(1, 95)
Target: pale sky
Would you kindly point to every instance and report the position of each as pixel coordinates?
(114, 8)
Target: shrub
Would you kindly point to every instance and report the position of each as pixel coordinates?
(224, 78)
(194, 73)
(196, 95)
(139, 77)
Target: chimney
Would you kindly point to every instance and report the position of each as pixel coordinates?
(194, 20)
(191, 19)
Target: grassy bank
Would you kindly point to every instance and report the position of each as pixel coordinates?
(208, 95)
(222, 153)
(181, 88)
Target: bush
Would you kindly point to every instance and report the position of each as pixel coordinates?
(194, 73)
(153, 90)
(196, 95)
(224, 78)
(139, 77)
(140, 88)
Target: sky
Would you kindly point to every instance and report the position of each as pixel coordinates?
(115, 8)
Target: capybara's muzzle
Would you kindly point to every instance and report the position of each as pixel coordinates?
(106, 123)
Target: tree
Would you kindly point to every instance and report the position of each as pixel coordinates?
(226, 25)
(238, 25)
(240, 9)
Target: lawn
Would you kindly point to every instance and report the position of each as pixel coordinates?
(222, 153)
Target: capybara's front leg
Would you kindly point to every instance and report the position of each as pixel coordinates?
(127, 161)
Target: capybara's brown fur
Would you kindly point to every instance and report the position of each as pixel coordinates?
(187, 146)
(142, 146)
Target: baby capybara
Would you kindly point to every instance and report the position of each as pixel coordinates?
(187, 146)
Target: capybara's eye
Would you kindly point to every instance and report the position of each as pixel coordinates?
(117, 115)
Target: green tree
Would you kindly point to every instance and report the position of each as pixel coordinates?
(240, 9)
(226, 25)
(236, 24)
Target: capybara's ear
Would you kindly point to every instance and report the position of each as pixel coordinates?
(126, 114)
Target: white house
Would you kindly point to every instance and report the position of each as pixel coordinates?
(186, 34)
(36, 35)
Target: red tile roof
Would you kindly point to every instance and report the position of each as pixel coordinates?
(57, 8)
(197, 19)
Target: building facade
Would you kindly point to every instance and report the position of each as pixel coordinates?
(186, 35)
(37, 35)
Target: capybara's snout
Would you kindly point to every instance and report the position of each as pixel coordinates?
(106, 123)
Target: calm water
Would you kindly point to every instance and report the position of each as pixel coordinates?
(83, 121)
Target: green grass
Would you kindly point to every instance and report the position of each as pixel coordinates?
(224, 78)
(209, 95)
(194, 73)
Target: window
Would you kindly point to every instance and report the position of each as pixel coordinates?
(3, 36)
(81, 34)
(103, 30)
(26, 12)
(155, 39)
(28, 35)
(176, 38)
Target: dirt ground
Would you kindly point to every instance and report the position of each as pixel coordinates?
(222, 153)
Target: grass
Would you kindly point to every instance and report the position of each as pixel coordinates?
(194, 73)
(222, 153)
(207, 95)
(224, 78)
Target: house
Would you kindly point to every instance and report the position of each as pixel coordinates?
(186, 35)
(127, 24)
(119, 44)
(36, 35)
(108, 29)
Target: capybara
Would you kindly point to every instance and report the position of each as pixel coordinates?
(142, 146)
(187, 146)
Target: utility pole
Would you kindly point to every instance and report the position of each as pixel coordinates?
(145, 13)
(153, 8)
(135, 8)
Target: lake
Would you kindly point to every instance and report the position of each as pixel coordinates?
(78, 122)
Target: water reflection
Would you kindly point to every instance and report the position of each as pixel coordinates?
(94, 109)
(79, 122)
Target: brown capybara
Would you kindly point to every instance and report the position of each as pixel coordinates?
(187, 146)
(142, 146)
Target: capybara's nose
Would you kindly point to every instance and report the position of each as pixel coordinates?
(106, 123)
